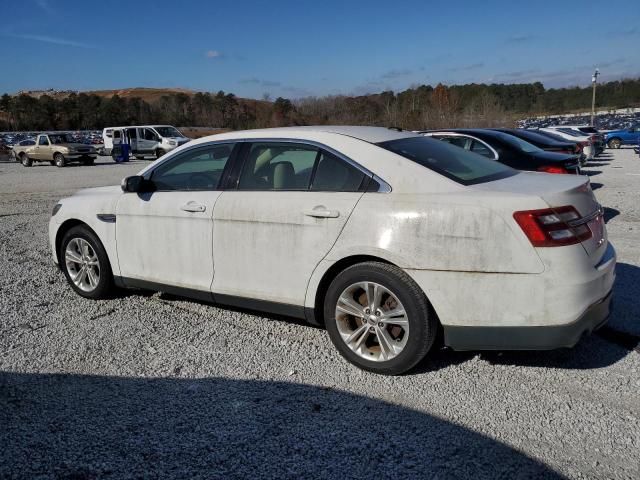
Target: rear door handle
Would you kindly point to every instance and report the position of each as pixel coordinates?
(321, 212)
(193, 207)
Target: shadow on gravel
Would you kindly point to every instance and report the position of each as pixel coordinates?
(86, 427)
(592, 173)
(595, 186)
(594, 164)
(610, 213)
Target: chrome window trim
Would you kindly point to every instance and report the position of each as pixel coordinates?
(466, 135)
(384, 186)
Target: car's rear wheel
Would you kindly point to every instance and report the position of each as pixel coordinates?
(59, 160)
(85, 263)
(379, 319)
(614, 143)
(159, 152)
(25, 160)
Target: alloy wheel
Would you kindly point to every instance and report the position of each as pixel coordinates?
(372, 321)
(82, 264)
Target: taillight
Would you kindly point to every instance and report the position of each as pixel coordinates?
(552, 169)
(550, 227)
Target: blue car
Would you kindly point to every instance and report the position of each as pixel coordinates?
(627, 136)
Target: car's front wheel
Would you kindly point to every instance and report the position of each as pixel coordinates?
(614, 143)
(59, 160)
(85, 263)
(379, 319)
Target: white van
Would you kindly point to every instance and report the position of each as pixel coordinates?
(144, 139)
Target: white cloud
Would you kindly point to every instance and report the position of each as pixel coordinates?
(51, 40)
(213, 54)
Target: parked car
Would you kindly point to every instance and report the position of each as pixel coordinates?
(509, 150)
(58, 149)
(597, 138)
(585, 140)
(21, 147)
(145, 140)
(627, 136)
(385, 237)
(547, 144)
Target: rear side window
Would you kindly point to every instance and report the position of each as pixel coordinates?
(335, 175)
(457, 141)
(458, 164)
(278, 166)
(481, 149)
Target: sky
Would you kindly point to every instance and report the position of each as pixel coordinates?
(305, 48)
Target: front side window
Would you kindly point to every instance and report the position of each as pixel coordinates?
(168, 132)
(458, 164)
(198, 169)
(150, 135)
(43, 141)
(278, 166)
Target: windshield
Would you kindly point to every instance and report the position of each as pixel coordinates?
(61, 138)
(168, 132)
(453, 162)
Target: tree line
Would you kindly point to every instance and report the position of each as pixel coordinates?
(419, 107)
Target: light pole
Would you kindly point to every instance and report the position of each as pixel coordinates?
(594, 80)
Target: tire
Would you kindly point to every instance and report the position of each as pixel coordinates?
(25, 160)
(407, 345)
(159, 153)
(59, 160)
(103, 287)
(614, 143)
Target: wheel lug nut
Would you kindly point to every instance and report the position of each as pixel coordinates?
(372, 329)
(380, 324)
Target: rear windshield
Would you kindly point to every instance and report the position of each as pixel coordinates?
(519, 143)
(453, 162)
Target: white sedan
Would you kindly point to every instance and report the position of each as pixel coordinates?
(388, 238)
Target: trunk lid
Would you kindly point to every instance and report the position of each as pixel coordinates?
(560, 191)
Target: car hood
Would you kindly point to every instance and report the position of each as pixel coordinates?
(98, 199)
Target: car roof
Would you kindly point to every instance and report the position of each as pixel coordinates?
(367, 134)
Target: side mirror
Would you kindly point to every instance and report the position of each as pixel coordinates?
(133, 184)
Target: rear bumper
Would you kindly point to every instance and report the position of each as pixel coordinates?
(546, 337)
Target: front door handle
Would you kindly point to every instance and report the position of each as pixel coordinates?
(193, 207)
(321, 212)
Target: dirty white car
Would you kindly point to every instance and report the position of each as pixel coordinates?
(384, 236)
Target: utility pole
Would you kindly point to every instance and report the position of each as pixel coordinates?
(594, 80)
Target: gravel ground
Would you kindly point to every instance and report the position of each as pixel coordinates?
(148, 386)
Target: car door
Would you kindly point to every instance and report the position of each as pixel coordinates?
(149, 141)
(282, 215)
(41, 149)
(132, 135)
(166, 236)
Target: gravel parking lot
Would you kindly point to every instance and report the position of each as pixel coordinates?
(149, 385)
